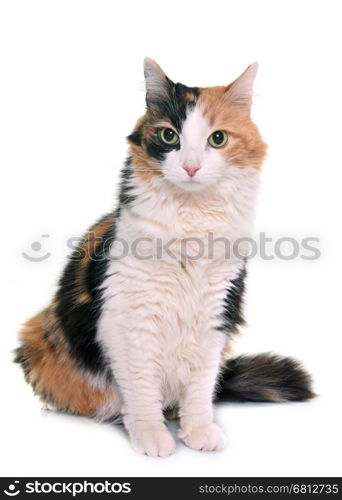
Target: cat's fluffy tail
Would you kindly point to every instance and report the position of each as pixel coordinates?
(265, 377)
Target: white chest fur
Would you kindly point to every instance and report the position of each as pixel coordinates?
(162, 307)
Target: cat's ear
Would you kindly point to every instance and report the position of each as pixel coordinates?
(240, 92)
(157, 83)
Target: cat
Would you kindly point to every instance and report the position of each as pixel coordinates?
(138, 335)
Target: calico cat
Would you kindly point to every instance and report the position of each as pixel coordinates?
(141, 324)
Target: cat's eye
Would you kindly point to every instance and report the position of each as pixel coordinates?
(169, 136)
(218, 139)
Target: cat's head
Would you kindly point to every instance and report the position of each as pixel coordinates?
(192, 136)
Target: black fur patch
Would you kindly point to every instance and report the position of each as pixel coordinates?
(175, 105)
(135, 137)
(23, 359)
(232, 314)
(156, 148)
(79, 320)
(125, 193)
(173, 108)
(265, 377)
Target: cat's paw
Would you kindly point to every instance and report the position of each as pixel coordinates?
(153, 441)
(204, 438)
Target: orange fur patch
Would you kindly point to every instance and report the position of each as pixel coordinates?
(51, 371)
(245, 146)
(145, 167)
(87, 250)
(190, 97)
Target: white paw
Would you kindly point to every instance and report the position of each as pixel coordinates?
(153, 441)
(204, 438)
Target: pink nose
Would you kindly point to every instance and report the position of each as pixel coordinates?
(191, 170)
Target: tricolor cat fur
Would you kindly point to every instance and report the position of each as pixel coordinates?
(130, 336)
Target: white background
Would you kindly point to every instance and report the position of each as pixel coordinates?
(71, 90)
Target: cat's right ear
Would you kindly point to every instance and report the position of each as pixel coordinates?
(157, 83)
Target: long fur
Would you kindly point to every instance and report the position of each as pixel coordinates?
(131, 334)
(264, 377)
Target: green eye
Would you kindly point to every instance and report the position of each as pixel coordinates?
(169, 136)
(218, 139)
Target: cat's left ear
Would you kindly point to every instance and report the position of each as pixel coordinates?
(240, 92)
(158, 85)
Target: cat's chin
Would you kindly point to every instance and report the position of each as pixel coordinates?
(190, 186)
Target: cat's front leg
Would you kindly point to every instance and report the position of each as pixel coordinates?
(134, 352)
(142, 410)
(148, 433)
(198, 429)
